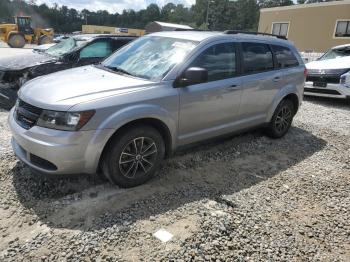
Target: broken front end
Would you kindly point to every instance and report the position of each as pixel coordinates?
(10, 82)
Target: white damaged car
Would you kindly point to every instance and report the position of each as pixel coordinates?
(329, 76)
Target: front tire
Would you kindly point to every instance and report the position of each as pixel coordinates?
(281, 120)
(16, 41)
(133, 156)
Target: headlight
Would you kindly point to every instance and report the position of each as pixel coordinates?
(68, 121)
(345, 79)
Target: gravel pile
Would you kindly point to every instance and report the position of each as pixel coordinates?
(242, 198)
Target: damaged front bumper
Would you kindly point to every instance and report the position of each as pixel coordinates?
(13, 79)
(10, 82)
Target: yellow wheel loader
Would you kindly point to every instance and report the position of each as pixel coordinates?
(21, 32)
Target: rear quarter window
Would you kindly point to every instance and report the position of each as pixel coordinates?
(284, 56)
(257, 57)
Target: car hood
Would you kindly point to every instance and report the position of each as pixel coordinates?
(336, 63)
(25, 61)
(64, 89)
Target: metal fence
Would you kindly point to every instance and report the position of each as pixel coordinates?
(309, 57)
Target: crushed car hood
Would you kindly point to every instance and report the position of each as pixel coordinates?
(14, 63)
(64, 89)
(336, 63)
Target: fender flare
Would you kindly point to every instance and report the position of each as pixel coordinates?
(120, 118)
(280, 95)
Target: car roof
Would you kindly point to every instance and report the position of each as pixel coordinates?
(87, 37)
(205, 35)
(341, 46)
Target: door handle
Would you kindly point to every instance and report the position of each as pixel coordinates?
(232, 88)
(276, 79)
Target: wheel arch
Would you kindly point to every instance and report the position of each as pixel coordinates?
(156, 123)
(288, 93)
(295, 100)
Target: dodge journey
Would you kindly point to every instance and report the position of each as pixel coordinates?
(154, 95)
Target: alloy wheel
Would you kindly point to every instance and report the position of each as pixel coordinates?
(283, 119)
(138, 157)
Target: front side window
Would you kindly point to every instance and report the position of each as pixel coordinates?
(98, 49)
(280, 29)
(150, 57)
(285, 57)
(256, 58)
(342, 29)
(219, 60)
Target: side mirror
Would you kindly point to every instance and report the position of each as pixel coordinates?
(192, 76)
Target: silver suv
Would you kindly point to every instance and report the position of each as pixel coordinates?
(158, 93)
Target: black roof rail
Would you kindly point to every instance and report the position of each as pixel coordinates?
(188, 29)
(233, 32)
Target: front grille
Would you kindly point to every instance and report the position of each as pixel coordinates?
(28, 107)
(321, 91)
(329, 79)
(329, 76)
(26, 115)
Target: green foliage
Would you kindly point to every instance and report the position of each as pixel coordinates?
(314, 1)
(222, 14)
(274, 3)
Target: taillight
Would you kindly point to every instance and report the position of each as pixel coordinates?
(305, 72)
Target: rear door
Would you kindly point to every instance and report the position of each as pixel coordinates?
(288, 66)
(260, 81)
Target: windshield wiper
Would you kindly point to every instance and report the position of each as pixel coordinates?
(118, 69)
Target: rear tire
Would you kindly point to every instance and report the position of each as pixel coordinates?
(281, 120)
(16, 41)
(133, 156)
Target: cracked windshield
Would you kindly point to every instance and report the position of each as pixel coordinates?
(150, 57)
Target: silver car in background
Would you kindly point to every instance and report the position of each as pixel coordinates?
(158, 93)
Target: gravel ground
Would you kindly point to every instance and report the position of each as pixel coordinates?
(244, 198)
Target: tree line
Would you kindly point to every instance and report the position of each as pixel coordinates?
(222, 14)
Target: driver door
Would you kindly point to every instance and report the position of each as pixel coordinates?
(209, 109)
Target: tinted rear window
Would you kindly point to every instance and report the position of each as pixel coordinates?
(257, 57)
(285, 57)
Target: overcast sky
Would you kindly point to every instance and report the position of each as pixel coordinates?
(112, 5)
